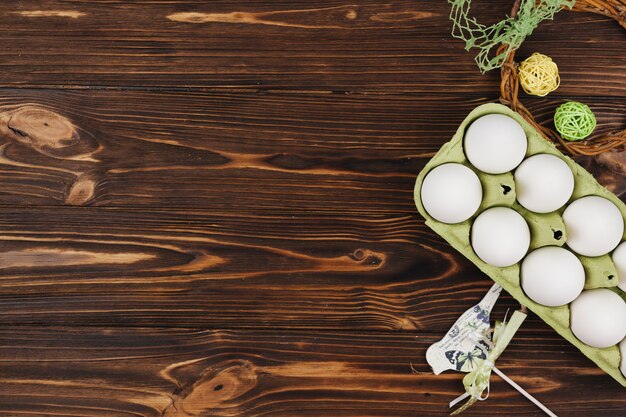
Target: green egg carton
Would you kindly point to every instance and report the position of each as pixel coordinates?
(546, 229)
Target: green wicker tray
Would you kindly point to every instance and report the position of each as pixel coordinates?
(546, 229)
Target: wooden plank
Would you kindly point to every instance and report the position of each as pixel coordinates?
(157, 372)
(230, 151)
(77, 266)
(86, 267)
(203, 150)
(403, 46)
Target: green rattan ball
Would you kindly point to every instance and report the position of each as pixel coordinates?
(574, 120)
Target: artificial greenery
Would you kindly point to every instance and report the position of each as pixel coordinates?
(510, 31)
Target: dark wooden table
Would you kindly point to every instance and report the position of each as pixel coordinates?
(206, 208)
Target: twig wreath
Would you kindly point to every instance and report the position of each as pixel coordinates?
(506, 36)
(509, 88)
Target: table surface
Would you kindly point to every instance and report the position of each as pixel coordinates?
(207, 208)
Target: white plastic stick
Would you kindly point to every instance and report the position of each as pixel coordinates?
(458, 399)
(523, 392)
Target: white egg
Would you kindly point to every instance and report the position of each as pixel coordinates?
(594, 226)
(552, 276)
(543, 183)
(500, 236)
(495, 143)
(622, 352)
(619, 259)
(598, 318)
(451, 193)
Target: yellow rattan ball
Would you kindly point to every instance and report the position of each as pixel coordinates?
(539, 75)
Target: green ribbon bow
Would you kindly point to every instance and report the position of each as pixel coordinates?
(477, 381)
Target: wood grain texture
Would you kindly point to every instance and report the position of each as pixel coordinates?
(109, 267)
(328, 45)
(206, 208)
(185, 373)
(336, 153)
(71, 266)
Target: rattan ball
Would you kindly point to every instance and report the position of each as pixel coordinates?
(574, 120)
(539, 75)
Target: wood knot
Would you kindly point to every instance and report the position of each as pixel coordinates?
(46, 132)
(368, 257)
(407, 323)
(81, 191)
(351, 14)
(214, 389)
